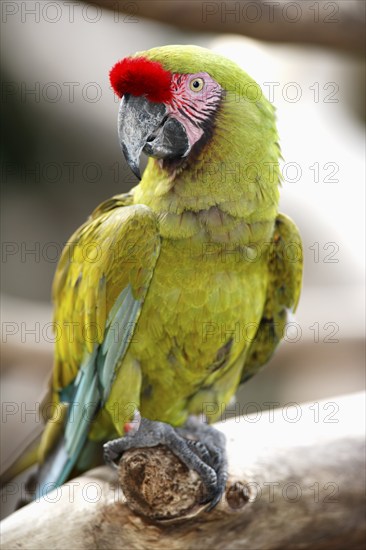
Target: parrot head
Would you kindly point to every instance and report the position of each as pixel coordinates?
(170, 99)
(202, 120)
(162, 113)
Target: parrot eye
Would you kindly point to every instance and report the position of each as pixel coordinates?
(196, 84)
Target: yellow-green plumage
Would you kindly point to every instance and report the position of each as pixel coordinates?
(204, 259)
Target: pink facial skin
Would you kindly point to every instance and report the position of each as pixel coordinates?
(194, 109)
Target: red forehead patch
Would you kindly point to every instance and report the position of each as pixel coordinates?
(140, 76)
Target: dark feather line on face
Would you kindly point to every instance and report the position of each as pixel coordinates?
(194, 119)
(197, 114)
(184, 113)
(194, 116)
(194, 108)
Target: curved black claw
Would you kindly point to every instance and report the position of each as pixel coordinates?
(206, 457)
(110, 455)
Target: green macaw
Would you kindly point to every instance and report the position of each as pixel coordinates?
(172, 294)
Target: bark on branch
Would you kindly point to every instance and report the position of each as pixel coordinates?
(338, 24)
(296, 480)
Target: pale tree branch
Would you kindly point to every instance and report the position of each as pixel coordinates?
(296, 480)
(338, 24)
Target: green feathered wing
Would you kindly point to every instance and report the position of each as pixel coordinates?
(99, 289)
(285, 265)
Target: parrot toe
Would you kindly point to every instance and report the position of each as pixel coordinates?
(210, 445)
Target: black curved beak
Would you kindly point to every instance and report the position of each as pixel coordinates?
(145, 126)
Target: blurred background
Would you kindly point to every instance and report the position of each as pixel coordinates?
(61, 158)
